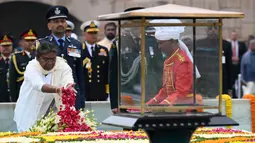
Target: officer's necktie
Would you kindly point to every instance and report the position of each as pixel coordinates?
(93, 51)
(7, 62)
(61, 46)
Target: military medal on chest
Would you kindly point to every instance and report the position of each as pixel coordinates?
(73, 51)
(102, 52)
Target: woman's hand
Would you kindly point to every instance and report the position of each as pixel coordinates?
(71, 86)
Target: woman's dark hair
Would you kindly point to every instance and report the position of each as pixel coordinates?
(45, 47)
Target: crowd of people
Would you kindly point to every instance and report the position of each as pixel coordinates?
(35, 75)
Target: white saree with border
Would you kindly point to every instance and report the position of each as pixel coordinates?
(32, 103)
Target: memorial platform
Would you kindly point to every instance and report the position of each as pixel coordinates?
(241, 113)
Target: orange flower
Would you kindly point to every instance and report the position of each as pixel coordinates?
(248, 96)
(252, 100)
(127, 100)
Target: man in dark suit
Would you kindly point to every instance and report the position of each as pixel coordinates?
(6, 43)
(69, 48)
(19, 61)
(207, 61)
(95, 63)
(238, 50)
(111, 43)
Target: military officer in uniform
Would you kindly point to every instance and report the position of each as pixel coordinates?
(6, 42)
(69, 48)
(130, 49)
(95, 62)
(69, 30)
(19, 61)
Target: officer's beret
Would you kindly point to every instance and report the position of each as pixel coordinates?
(6, 40)
(70, 25)
(29, 34)
(57, 12)
(90, 26)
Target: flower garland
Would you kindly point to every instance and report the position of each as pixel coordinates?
(228, 105)
(67, 119)
(252, 100)
(201, 135)
(70, 119)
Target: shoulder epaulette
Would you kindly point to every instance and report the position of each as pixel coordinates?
(68, 39)
(83, 46)
(51, 38)
(17, 52)
(46, 37)
(180, 57)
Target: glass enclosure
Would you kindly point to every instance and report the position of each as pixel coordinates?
(179, 69)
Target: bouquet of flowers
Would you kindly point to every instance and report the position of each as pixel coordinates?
(68, 119)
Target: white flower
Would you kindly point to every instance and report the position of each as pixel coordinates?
(55, 128)
(57, 119)
(73, 108)
(87, 112)
(41, 129)
(82, 114)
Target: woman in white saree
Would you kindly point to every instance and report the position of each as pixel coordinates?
(43, 79)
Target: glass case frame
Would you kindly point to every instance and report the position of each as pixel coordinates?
(143, 24)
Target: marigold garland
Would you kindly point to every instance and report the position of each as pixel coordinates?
(228, 105)
(252, 100)
(201, 135)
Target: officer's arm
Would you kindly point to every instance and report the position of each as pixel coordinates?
(12, 80)
(80, 79)
(183, 83)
